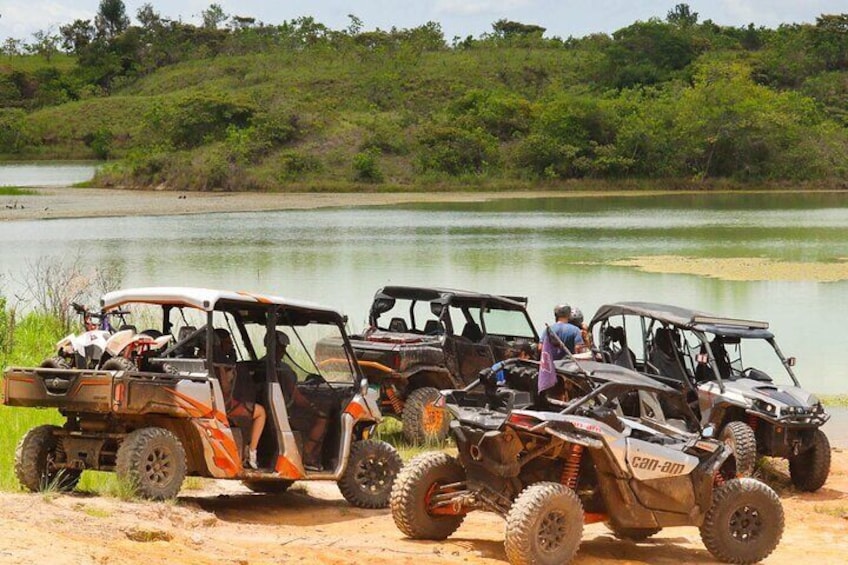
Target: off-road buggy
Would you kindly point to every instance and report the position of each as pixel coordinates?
(733, 374)
(166, 414)
(605, 454)
(422, 339)
(86, 349)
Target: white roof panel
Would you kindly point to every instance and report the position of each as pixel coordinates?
(202, 298)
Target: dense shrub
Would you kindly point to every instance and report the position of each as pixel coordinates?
(456, 151)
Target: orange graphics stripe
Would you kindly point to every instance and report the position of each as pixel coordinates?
(195, 408)
(356, 410)
(287, 469)
(224, 449)
(259, 298)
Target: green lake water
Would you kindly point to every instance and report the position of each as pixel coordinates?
(551, 250)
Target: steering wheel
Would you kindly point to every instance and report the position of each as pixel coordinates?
(316, 380)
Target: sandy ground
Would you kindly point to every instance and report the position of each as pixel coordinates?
(51, 203)
(225, 524)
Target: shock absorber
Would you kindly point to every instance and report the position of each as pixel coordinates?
(394, 399)
(571, 468)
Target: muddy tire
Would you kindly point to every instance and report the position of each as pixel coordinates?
(422, 422)
(34, 458)
(268, 486)
(740, 438)
(56, 363)
(410, 496)
(371, 472)
(809, 470)
(544, 526)
(744, 523)
(119, 364)
(633, 534)
(153, 462)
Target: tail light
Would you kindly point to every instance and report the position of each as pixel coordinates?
(523, 420)
(120, 391)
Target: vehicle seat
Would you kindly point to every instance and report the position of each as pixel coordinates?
(398, 325)
(128, 327)
(665, 356)
(185, 331)
(433, 327)
(619, 353)
(472, 331)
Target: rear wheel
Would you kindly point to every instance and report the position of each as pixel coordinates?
(809, 470)
(267, 486)
(544, 525)
(119, 364)
(56, 363)
(740, 438)
(424, 422)
(371, 472)
(35, 459)
(744, 523)
(153, 462)
(412, 491)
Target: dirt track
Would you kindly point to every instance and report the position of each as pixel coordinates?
(225, 524)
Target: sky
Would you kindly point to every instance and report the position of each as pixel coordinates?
(563, 18)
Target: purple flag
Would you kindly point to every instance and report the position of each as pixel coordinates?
(547, 372)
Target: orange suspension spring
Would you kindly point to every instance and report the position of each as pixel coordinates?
(571, 468)
(394, 399)
(753, 421)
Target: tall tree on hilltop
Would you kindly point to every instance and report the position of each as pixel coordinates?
(682, 16)
(111, 19)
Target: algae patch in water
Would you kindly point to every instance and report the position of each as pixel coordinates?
(740, 268)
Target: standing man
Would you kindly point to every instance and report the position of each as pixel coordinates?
(570, 334)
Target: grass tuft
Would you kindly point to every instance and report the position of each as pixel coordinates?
(16, 191)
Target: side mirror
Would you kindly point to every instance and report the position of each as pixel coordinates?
(363, 387)
(791, 361)
(708, 432)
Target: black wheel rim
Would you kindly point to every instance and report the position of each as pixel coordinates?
(746, 523)
(552, 531)
(372, 475)
(158, 466)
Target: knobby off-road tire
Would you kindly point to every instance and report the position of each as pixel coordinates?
(371, 472)
(34, 462)
(422, 422)
(744, 523)
(544, 525)
(55, 363)
(119, 364)
(741, 439)
(633, 534)
(410, 493)
(153, 462)
(809, 470)
(268, 486)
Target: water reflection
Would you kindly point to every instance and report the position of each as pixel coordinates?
(45, 173)
(551, 250)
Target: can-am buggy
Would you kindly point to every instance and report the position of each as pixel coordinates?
(733, 374)
(86, 349)
(607, 455)
(168, 413)
(423, 339)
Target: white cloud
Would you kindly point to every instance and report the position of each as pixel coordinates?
(476, 7)
(21, 18)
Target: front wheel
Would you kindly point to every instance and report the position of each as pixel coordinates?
(544, 525)
(809, 470)
(35, 459)
(740, 438)
(152, 461)
(412, 493)
(423, 422)
(744, 523)
(371, 471)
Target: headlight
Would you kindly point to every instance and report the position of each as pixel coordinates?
(818, 408)
(764, 406)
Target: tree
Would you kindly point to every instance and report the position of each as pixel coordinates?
(506, 29)
(46, 44)
(111, 19)
(682, 16)
(149, 18)
(77, 35)
(213, 16)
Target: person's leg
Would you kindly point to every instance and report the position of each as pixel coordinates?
(313, 443)
(256, 433)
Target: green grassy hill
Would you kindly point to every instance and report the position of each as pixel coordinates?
(288, 108)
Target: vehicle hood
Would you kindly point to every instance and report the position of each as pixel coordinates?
(779, 395)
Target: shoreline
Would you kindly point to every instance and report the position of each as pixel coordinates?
(50, 203)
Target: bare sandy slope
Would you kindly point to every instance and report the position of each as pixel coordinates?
(225, 524)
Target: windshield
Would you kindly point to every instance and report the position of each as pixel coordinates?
(410, 316)
(751, 358)
(507, 323)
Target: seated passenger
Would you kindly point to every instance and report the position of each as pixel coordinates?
(303, 415)
(240, 404)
